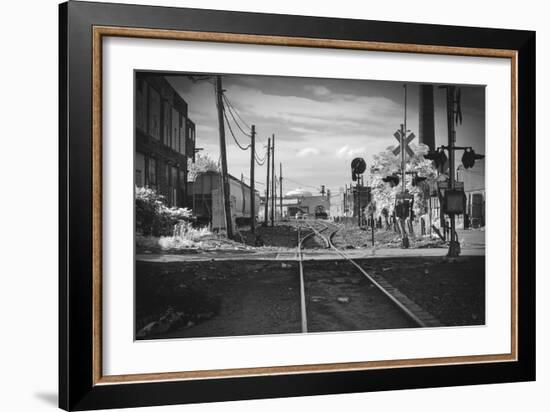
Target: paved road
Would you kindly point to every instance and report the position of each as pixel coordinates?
(472, 241)
(320, 254)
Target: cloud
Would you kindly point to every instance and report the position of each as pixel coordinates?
(308, 151)
(317, 90)
(347, 152)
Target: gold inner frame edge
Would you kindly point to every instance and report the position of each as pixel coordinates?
(98, 32)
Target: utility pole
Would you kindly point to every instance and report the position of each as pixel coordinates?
(273, 193)
(281, 188)
(223, 156)
(252, 183)
(266, 213)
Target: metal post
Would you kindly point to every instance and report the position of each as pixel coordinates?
(281, 188)
(372, 223)
(252, 183)
(266, 213)
(358, 202)
(273, 194)
(223, 156)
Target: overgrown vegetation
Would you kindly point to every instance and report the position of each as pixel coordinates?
(160, 228)
(203, 163)
(153, 217)
(386, 163)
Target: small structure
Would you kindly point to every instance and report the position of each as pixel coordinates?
(208, 201)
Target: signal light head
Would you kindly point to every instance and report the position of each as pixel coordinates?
(393, 180)
(469, 158)
(438, 156)
(418, 179)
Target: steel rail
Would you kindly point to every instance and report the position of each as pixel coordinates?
(303, 311)
(403, 308)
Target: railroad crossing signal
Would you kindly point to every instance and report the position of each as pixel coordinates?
(358, 167)
(439, 159)
(405, 141)
(469, 157)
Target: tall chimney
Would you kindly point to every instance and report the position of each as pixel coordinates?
(426, 116)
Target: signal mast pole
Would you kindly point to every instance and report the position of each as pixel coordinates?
(454, 246)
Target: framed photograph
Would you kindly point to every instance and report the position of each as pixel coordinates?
(257, 205)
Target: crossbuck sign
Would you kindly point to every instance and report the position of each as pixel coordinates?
(406, 142)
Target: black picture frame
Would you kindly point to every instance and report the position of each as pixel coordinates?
(77, 389)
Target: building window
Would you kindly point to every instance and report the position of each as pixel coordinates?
(190, 146)
(152, 172)
(175, 129)
(139, 169)
(183, 134)
(154, 114)
(141, 105)
(182, 179)
(139, 182)
(174, 185)
(166, 124)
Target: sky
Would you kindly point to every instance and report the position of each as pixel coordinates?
(320, 125)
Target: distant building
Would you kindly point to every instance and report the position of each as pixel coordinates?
(164, 138)
(474, 189)
(304, 202)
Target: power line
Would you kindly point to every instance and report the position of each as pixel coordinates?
(301, 184)
(233, 134)
(236, 111)
(259, 161)
(230, 107)
(255, 181)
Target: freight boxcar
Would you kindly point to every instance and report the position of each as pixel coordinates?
(208, 203)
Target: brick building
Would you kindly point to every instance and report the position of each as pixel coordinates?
(164, 139)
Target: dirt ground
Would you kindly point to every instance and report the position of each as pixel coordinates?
(232, 298)
(340, 298)
(219, 298)
(348, 237)
(354, 237)
(452, 290)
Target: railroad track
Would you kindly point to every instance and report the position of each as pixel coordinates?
(326, 232)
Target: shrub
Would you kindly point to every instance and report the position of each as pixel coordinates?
(153, 217)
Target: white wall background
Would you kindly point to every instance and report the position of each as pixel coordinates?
(28, 204)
